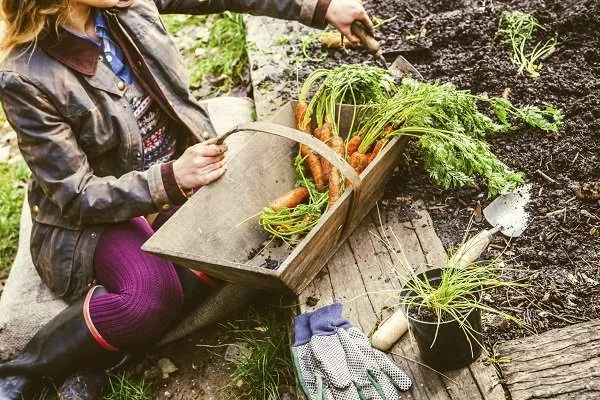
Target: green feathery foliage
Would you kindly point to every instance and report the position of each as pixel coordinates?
(515, 30)
(451, 131)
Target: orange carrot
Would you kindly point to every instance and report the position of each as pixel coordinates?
(334, 186)
(314, 165)
(300, 113)
(353, 144)
(290, 199)
(326, 169)
(359, 162)
(326, 132)
(317, 133)
(378, 146)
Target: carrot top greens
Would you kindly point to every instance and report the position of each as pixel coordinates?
(516, 29)
(349, 84)
(451, 131)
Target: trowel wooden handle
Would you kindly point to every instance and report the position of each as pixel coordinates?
(390, 331)
(470, 251)
(367, 40)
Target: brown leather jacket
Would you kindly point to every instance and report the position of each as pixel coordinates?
(78, 134)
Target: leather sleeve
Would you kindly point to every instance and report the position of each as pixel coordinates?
(304, 11)
(50, 149)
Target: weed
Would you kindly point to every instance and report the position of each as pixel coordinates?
(12, 184)
(47, 393)
(516, 29)
(220, 57)
(226, 58)
(266, 364)
(495, 359)
(124, 387)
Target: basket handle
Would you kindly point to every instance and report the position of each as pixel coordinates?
(308, 140)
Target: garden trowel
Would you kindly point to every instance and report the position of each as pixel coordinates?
(399, 67)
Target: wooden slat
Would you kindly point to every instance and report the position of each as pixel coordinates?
(558, 364)
(487, 379)
(430, 242)
(269, 61)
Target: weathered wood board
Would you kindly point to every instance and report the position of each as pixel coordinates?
(367, 272)
(269, 60)
(558, 364)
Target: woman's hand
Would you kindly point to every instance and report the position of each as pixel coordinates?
(342, 13)
(200, 165)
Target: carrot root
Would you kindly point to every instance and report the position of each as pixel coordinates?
(290, 199)
(353, 145)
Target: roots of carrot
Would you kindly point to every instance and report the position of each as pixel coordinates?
(353, 145)
(359, 162)
(299, 115)
(290, 199)
(334, 186)
(314, 165)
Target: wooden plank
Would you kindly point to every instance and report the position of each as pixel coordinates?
(430, 242)
(558, 364)
(269, 60)
(427, 384)
(487, 379)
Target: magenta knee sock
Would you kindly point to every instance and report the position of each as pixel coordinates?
(145, 293)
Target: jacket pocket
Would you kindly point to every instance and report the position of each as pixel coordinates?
(53, 252)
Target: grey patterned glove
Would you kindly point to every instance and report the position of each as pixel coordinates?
(336, 361)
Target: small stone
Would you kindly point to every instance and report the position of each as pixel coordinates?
(166, 367)
(312, 301)
(239, 384)
(167, 394)
(237, 351)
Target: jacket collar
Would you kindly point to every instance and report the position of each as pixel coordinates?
(73, 51)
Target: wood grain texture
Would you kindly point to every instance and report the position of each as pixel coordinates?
(365, 274)
(558, 364)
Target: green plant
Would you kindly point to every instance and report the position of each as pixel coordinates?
(458, 290)
(124, 387)
(495, 358)
(291, 224)
(451, 131)
(226, 56)
(516, 29)
(354, 84)
(266, 362)
(12, 184)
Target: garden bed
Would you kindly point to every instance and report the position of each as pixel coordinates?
(561, 245)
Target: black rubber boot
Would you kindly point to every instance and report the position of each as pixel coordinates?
(62, 346)
(85, 386)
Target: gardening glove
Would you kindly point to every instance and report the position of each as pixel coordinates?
(313, 379)
(372, 372)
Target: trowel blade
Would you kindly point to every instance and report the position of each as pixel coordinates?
(508, 211)
(402, 67)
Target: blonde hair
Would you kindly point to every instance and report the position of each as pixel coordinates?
(24, 20)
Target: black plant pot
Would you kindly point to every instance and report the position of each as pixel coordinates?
(453, 347)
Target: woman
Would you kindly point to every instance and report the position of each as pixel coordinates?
(98, 96)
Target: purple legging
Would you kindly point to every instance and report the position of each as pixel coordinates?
(145, 294)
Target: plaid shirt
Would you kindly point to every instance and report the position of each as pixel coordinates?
(80, 138)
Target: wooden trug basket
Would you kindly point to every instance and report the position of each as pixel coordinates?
(212, 231)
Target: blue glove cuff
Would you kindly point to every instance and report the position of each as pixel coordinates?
(302, 332)
(327, 320)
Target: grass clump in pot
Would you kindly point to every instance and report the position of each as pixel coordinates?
(516, 29)
(444, 303)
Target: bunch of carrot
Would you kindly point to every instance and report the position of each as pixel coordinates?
(297, 211)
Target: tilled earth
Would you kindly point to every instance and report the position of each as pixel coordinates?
(454, 41)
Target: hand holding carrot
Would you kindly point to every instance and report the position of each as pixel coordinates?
(200, 165)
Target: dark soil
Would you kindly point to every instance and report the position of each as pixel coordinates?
(561, 246)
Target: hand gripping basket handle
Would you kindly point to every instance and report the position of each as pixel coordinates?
(308, 140)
